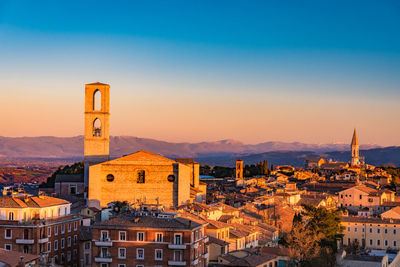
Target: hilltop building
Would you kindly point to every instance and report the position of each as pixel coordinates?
(141, 176)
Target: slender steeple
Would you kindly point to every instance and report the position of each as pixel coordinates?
(355, 150)
(354, 141)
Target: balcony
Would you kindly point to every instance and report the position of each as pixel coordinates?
(205, 255)
(177, 263)
(176, 246)
(103, 242)
(25, 241)
(43, 240)
(104, 258)
(195, 245)
(195, 262)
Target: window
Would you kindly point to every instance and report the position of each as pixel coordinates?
(122, 236)
(370, 230)
(69, 227)
(72, 190)
(48, 231)
(104, 235)
(97, 100)
(386, 243)
(8, 234)
(69, 256)
(159, 237)
(62, 243)
(394, 243)
(140, 265)
(75, 226)
(8, 247)
(140, 236)
(62, 228)
(378, 242)
(87, 245)
(394, 231)
(55, 244)
(177, 255)
(87, 259)
(121, 253)
(378, 230)
(97, 128)
(121, 265)
(11, 216)
(104, 253)
(355, 229)
(110, 178)
(360, 196)
(385, 230)
(178, 239)
(158, 254)
(62, 258)
(56, 230)
(69, 241)
(140, 253)
(75, 239)
(48, 246)
(370, 242)
(141, 177)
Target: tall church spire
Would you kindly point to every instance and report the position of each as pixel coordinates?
(354, 141)
(355, 150)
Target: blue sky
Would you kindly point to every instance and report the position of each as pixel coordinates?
(263, 63)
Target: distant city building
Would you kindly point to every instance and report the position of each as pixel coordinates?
(239, 169)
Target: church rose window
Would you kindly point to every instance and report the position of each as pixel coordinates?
(110, 177)
(141, 177)
(171, 178)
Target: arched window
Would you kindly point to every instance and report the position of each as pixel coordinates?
(97, 100)
(11, 216)
(97, 127)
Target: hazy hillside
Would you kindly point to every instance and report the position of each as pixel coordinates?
(72, 147)
(375, 157)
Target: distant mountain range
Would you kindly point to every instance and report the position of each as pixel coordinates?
(219, 152)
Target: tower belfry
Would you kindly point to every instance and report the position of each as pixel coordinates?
(97, 125)
(355, 150)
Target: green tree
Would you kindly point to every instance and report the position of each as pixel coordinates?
(76, 168)
(326, 222)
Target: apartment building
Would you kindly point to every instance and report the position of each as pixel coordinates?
(371, 233)
(149, 240)
(40, 225)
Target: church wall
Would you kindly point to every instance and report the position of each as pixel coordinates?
(125, 186)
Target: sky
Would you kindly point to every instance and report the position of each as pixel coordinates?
(192, 71)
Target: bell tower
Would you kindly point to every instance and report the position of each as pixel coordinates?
(239, 169)
(97, 125)
(355, 150)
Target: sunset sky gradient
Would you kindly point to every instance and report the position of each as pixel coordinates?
(254, 71)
